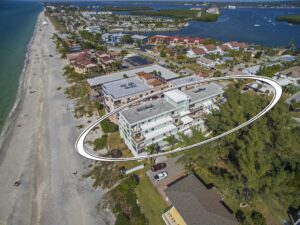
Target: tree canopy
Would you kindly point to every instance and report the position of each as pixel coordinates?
(262, 158)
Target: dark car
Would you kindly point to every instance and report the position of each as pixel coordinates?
(158, 166)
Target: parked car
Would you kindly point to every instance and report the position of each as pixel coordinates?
(158, 166)
(160, 176)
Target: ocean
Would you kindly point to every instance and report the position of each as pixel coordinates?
(17, 22)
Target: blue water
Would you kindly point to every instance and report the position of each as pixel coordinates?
(239, 25)
(232, 24)
(17, 21)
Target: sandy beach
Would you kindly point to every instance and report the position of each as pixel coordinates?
(39, 149)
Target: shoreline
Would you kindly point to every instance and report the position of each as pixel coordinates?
(10, 120)
(37, 147)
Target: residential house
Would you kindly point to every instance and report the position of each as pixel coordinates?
(206, 63)
(293, 74)
(234, 45)
(193, 204)
(104, 59)
(112, 39)
(195, 52)
(139, 38)
(84, 63)
(253, 70)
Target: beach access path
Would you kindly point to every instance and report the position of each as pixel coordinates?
(39, 149)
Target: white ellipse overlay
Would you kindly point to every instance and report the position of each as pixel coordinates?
(80, 148)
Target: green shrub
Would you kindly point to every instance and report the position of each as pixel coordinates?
(99, 106)
(108, 127)
(122, 219)
(257, 218)
(100, 143)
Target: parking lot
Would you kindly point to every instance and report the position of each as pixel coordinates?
(173, 169)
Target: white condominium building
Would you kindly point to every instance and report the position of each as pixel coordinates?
(151, 122)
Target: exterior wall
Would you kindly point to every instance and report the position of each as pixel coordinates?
(111, 103)
(172, 217)
(172, 119)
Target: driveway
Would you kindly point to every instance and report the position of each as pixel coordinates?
(175, 171)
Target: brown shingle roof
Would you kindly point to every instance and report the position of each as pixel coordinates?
(199, 51)
(210, 47)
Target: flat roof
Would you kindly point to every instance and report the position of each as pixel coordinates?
(146, 110)
(204, 91)
(176, 95)
(165, 73)
(295, 97)
(197, 204)
(125, 87)
(185, 80)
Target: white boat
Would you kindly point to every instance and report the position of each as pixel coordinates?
(257, 25)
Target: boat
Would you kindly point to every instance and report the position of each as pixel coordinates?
(257, 25)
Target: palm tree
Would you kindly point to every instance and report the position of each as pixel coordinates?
(171, 140)
(151, 149)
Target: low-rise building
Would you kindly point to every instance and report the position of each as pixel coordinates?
(112, 38)
(234, 45)
(213, 10)
(176, 40)
(139, 38)
(193, 204)
(195, 52)
(185, 80)
(253, 70)
(84, 63)
(123, 91)
(151, 122)
(293, 74)
(104, 59)
(206, 63)
(93, 29)
(162, 74)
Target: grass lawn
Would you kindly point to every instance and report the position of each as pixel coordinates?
(150, 200)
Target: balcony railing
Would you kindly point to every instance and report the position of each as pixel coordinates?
(177, 122)
(136, 129)
(138, 137)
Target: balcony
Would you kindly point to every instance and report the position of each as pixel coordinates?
(136, 129)
(138, 137)
(197, 114)
(175, 115)
(177, 122)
